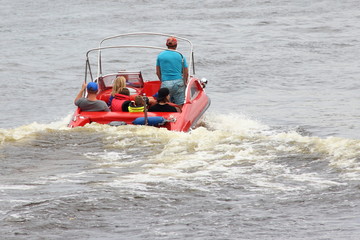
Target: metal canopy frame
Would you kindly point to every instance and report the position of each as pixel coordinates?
(101, 48)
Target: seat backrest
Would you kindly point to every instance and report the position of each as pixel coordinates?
(105, 97)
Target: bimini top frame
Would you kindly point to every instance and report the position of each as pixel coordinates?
(101, 47)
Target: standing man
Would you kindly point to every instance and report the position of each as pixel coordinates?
(172, 70)
(90, 103)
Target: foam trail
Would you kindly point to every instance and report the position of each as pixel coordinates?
(19, 133)
(235, 146)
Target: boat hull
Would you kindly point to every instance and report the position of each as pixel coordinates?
(194, 107)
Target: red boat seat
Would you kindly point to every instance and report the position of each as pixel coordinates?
(105, 97)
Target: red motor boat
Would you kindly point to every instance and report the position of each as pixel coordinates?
(196, 100)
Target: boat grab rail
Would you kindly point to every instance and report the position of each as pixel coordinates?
(114, 47)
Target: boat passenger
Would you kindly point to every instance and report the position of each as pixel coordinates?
(90, 103)
(119, 84)
(121, 101)
(163, 99)
(172, 71)
(138, 105)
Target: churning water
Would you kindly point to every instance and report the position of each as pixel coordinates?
(276, 156)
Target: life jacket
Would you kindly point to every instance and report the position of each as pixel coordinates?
(117, 102)
(133, 108)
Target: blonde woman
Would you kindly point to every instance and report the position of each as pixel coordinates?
(118, 86)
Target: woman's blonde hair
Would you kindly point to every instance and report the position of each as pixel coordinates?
(119, 84)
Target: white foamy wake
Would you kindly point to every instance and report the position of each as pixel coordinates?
(227, 146)
(32, 129)
(231, 148)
